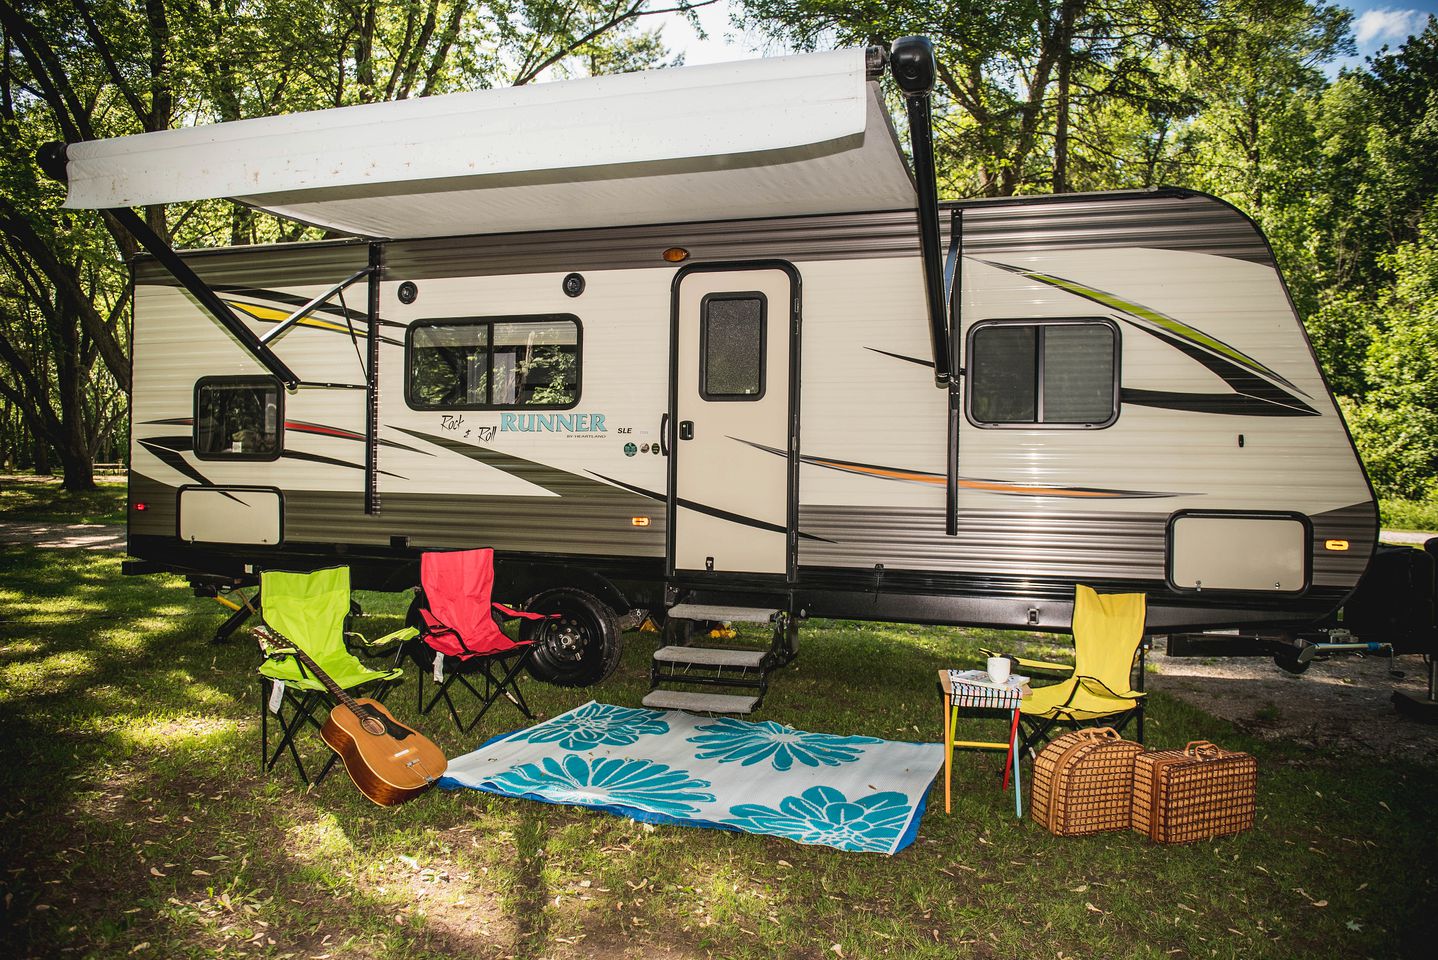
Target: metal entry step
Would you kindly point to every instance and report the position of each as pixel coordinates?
(711, 656)
(697, 702)
(702, 611)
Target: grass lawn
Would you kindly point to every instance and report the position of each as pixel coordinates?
(28, 497)
(1409, 514)
(134, 821)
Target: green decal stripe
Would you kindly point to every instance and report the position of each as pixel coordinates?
(1152, 316)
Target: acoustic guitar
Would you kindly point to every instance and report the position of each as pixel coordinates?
(388, 761)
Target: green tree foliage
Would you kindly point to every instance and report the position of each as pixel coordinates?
(1396, 423)
(73, 70)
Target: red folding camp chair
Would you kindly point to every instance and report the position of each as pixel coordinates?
(460, 637)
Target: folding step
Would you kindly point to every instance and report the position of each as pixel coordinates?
(696, 702)
(703, 611)
(711, 656)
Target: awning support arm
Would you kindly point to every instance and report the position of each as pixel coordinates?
(52, 159)
(206, 297)
(953, 286)
(911, 60)
(283, 327)
(375, 271)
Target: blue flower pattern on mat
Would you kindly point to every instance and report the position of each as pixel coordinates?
(597, 724)
(824, 815)
(645, 784)
(730, 741)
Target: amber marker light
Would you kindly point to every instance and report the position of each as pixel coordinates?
(639, 521)
(1337, 544)
(676, 254)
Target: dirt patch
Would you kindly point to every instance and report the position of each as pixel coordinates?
(60, 535)
(1344, 701)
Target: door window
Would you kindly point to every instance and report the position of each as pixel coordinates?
(731, 346)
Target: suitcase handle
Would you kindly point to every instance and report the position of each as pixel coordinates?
(1099, 733)
(1198, 749)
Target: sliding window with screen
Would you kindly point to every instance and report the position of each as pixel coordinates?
(500, 363)
(1043, 373)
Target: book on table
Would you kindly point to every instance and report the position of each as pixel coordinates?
(973, 688)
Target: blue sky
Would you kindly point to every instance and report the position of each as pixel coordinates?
(1374, 24)
(1377, 24)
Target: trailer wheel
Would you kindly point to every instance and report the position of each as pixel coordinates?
(581, 648)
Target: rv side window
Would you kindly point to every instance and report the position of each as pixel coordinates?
(238, 418)
(483, 363)
(1053, 373)
(731, 346)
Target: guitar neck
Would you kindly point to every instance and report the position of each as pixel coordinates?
(335, 689)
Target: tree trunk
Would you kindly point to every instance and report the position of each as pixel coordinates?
(1061, 117)
(79, 469)
(42, 458)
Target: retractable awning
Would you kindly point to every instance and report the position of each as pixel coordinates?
(773, 137)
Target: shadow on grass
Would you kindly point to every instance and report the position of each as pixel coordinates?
(133, 819)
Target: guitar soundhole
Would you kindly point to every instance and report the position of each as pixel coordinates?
(373, 726)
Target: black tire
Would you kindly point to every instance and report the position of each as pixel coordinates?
(579, 649)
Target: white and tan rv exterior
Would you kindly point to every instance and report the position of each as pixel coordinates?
(1198, 455)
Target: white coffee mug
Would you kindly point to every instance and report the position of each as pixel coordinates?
(999, 669)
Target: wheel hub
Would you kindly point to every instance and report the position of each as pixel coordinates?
(568, 641)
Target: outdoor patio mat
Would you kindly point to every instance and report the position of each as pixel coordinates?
(666, 766)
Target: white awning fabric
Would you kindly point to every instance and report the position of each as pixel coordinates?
(775, 137)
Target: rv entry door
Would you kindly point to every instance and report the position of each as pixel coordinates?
(731, 485)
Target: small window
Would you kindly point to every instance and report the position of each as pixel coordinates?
(238, 418)
(731, 346)
(476, 364)
(1054, 373)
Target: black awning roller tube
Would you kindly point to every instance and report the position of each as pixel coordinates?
(911, 60)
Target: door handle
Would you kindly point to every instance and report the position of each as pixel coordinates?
(664, 434)
(686, 429)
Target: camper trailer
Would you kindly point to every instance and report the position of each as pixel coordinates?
(700, 340)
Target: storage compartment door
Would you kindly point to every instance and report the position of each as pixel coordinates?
(1253, 553)
(230, 515)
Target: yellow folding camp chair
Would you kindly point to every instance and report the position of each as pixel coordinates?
(1108, 635)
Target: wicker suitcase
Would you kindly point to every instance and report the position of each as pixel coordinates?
(1201, 791)
(1083, 783)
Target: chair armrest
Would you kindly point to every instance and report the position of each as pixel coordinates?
(384, 643)
(1047, 666)
(1091, 682)
(509, 613)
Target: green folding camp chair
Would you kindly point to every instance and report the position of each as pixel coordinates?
(308, 610)
(1108, 635)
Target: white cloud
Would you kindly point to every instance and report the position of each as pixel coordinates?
(1378, 26)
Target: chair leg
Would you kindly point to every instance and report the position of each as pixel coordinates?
(302, 712)
(264, 721)
(329, 765)
(1038, 732)
(443, 694)
(505, 686)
